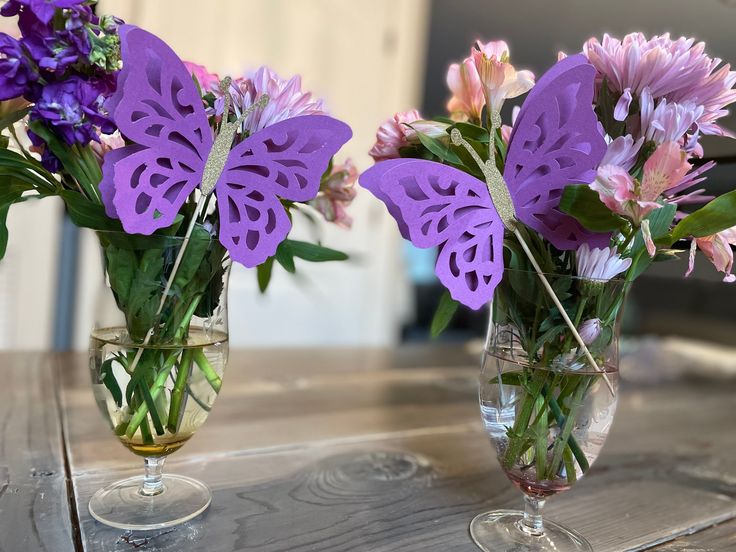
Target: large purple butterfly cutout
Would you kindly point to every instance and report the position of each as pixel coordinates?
(556, 141)
(159, 109)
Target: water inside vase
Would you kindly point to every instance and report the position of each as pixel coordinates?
(547, 426)
(156, 404)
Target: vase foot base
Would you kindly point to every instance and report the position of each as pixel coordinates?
(122, 506)
(499, 530)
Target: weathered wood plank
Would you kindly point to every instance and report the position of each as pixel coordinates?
(715, 539)
(318, 456)
(34, 507)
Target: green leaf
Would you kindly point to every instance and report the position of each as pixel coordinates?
(285, 257)
(443, 315)
(263, 272)
(71, 159)
(13, 117)
(199, 244)
(110, 382)
(472, 132)
(438, 147)
(122, 265)
(145, 293)
(88, 214)
(713, 217)
(583, 204)
(313, 252)
(29, 170)
(510, 378)
(11, 191)
(660, 221)
(152, 410)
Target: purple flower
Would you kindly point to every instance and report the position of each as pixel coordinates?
(286, 99)
(668, 121)
(15, 73)
(56, 49)
(43, 9)
(50, 162)
(73, 109)
(590, 330)
(678, 70)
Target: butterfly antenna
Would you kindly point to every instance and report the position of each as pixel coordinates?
(260, 103)
(225, 89)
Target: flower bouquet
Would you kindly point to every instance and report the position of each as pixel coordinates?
(179, 173)
(550, 219)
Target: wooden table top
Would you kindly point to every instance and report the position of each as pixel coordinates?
(358, 450)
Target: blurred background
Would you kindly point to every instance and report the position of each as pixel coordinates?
(367, 59)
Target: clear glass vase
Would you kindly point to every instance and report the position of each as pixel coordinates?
(157, 356)
(546, 404)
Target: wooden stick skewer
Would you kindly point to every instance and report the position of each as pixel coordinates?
(563, 312)
(505, 207)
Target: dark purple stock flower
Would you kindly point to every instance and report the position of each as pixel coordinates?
(15, 73)
(73, 110)
(43, 9)
(56, 49)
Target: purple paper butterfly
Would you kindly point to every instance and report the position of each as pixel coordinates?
(555, 142)
(158, 107)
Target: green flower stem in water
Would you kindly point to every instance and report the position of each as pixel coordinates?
(158, 385)
(571, 442)
(516, 438)
(177, 394)
(569, 465)
(209, 372)
(541, 431)
(566, 430)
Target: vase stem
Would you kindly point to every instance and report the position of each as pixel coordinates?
(532, 523)
(153, 478)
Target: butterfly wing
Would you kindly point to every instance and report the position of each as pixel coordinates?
(437, 205)
(556, 141)
(156, 106)
(285, 160)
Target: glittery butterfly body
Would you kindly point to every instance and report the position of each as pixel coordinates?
(556, 141)
(159, 111)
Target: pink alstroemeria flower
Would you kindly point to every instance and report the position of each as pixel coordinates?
(626, 196)
(107, 143)
(717, 248)
(337, 193)
(485, 78)
(499, 79)
(467, 91)
(400, 131)
(392, 135)
(208, 82)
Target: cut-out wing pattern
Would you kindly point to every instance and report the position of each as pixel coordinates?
(556, 141)
(442, 206)
(285, 160)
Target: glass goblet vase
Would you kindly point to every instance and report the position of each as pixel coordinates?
(545, 407)
(157, 356)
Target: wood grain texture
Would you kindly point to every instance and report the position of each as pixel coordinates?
(34, 508)
(369, 451)
(715, 539)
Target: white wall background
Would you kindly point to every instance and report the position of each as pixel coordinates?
(366, 60)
